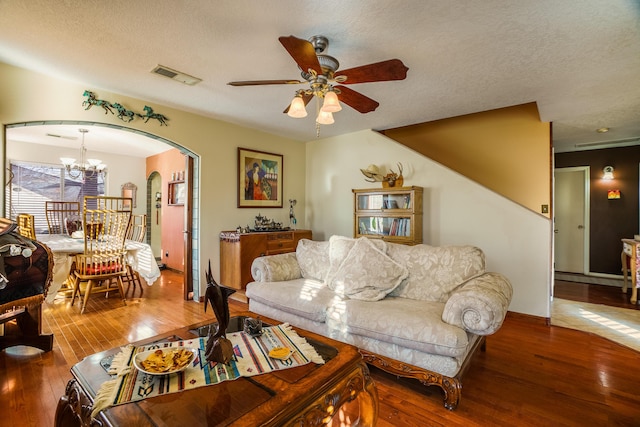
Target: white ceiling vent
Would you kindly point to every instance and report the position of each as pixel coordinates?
(176, 75)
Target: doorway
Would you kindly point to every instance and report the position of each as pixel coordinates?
(571, 219)
(111, 141)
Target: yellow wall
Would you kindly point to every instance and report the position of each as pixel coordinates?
(507, 150)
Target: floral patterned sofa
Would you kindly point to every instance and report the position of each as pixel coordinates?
(414, 311)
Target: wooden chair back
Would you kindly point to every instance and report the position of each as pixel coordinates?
(105, 222)
(58, 213)
(137, 228)
(26, 225)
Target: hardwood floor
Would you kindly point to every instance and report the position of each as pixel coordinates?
(531, 374)
(595, 294)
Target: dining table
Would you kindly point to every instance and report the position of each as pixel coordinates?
(64, 247)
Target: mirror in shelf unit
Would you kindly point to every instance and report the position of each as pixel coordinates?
(177, 193)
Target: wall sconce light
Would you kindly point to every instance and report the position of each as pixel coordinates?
(608, 173)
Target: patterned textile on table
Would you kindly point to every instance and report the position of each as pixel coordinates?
(250, 358)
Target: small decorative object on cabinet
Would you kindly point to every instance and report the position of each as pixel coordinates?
(238, 250)
(393, 214)
(177, 193)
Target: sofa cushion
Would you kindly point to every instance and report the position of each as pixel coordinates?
(408, 323)
(313, 258)
(367, 273)
(339, 248)
(435, 271)
(302, 297)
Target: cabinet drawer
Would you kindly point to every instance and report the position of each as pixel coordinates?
(279, 246)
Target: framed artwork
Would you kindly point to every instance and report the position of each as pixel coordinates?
(259, 179)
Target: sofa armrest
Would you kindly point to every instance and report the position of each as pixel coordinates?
(480, 305)
(276, 268)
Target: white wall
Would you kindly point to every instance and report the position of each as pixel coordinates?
(120, 168)
(516, 241)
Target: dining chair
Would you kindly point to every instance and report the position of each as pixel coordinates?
(105, 221)
(58, 213)
(26, 225)
(136, 232)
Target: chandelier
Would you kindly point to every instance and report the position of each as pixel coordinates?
(86, 167)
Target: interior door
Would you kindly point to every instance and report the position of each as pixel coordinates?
(570, 220)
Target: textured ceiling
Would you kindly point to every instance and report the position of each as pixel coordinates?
(579, 60)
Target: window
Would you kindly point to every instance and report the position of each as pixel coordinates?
(31, 184)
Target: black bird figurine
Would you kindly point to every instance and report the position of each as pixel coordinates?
(219, 348)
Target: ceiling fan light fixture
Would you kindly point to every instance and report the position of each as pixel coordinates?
(297, 108)
(325, 118)
(331, 103)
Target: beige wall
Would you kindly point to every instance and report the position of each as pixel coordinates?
(26, 96)
(457, 210)
(507, 150)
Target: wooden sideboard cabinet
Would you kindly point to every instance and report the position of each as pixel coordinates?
(238, 250)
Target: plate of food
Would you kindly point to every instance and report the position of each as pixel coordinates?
(164, 361)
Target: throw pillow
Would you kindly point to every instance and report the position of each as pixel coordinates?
(367, 273)
(339, 248)
(313, 258)
(435, 271)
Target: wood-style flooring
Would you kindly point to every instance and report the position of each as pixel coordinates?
(595, 294)
(531, 374)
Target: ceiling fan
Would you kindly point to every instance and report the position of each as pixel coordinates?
(320, 71)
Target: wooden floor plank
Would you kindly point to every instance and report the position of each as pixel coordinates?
(531, 374)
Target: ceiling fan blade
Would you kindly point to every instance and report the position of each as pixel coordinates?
(302, 52)
(392, 69)
(356, 100)
(305, 97)
(265, 82)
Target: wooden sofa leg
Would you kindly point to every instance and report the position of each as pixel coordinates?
(452, 387)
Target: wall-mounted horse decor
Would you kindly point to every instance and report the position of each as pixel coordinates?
(92, 100)
(151, 115)
(123, 114)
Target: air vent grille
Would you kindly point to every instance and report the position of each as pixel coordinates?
(176, 75)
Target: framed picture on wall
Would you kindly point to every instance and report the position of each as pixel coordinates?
(260, 178)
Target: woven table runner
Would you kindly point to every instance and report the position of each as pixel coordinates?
(250, 358)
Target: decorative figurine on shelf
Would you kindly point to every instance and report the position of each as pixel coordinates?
(292, 216)
(219, 348)
(262, 223)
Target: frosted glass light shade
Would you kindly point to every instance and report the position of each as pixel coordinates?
(297, 108)
(331, 104)
(67, 161)
(325, 118)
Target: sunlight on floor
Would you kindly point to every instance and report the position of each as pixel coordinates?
(612, 324)
(617, 324)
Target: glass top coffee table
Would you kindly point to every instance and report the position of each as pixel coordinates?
(307, 395)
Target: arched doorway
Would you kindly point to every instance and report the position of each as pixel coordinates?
(118, 134)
